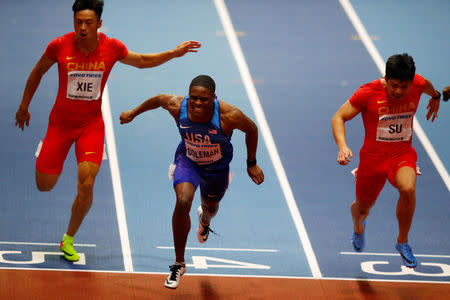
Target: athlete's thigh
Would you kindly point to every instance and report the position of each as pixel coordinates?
(56, 145)
(185, 171)
(214, 184)
(370, 180)
(405, 179)
(403, 171)
(89, 145)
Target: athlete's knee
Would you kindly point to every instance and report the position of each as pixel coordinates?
(407, 191)
(184, 202)
(45, 182)
(85, 187)
(210, 207)
(362, 207)
(43, 187)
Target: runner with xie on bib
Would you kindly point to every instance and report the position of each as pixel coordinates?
(387, 106)
(202, 157)
(85, 58)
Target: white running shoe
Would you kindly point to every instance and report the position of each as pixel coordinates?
(176, 271)
(202, 231)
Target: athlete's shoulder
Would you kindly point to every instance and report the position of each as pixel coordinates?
(419, 80)
(109, 40)
(58, 44)
(68, 37)
(375, 85)
(117, 46)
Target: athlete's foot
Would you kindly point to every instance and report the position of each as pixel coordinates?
(358, 240)
(176, 271)
(66, 247)
(407, 256)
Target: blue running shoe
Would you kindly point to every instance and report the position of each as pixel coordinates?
(358, 240)
(408, 257)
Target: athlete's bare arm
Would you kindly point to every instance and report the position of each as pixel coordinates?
(150, 60)
(233, 118)
(170, 103)
(344, 114)
(433, 103)
(42, 66)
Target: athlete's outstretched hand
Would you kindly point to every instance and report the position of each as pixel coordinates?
(256, 174)
(185, 47)
(433, 107)
(344, 156)
(126, 117)
(22, 118)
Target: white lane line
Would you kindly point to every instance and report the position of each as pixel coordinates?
(267, 135)
(225, 275)
(220, 249)
(43, 244)
(394, 254)
(117, 184)
(361, 30)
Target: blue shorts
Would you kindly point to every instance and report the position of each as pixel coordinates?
(213, 183)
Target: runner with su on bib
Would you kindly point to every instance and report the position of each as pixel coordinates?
(387, 106)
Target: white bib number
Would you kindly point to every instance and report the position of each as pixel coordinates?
(395, 127)
(84, 85)
(202, 153)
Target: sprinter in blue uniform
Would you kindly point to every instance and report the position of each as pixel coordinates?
(202, 157)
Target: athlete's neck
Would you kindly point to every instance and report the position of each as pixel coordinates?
(87, 45)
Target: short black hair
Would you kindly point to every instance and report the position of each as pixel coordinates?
(400, 66)
(204, 81)
(95, 5)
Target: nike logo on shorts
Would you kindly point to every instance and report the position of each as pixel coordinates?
(87, 153)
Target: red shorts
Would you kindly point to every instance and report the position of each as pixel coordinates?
(372, 174)
(89, 141)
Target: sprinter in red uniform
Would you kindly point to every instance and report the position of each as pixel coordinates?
(85, 58)
(387, 106)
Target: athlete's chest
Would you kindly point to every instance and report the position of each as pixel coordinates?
(391, 121)
(201, 133)
(70, 58)
(379, 105)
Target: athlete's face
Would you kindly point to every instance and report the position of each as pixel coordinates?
(201, 104)
(86, 24)
(396, 88)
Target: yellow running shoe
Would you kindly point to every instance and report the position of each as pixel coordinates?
(66, 247)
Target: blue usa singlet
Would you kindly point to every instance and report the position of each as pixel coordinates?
(204, 143)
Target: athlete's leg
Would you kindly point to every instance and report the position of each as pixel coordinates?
(405, 181)
(369, 184)
(87, 171)
(212, 189)
(89, 152)
(360, 210)
(181, 222)
(209, 210)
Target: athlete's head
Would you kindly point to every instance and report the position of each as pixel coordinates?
(201, 98)
(204, 81)
(400, 71)
(86, 18)
(95, 5)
